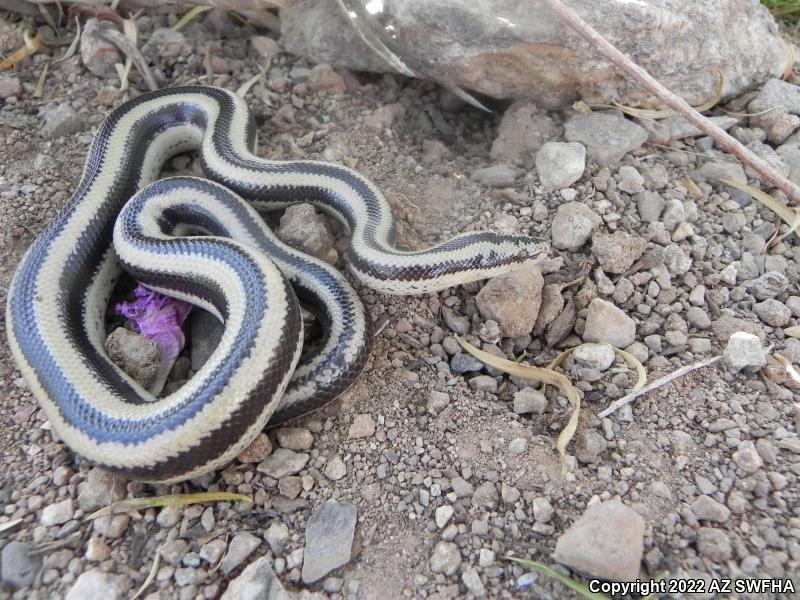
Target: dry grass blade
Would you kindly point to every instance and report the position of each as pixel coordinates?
(793, 331)
(656, 114)
(245, 87)
(541, 375)
(10, 526)
(789, 215)
(130, 50)
(168, 500)
(641, 373)
(150, 577)
(31, 46)
(628, 358)
(39, 91)
(576, 586)
(191, 16)
(628, 398)
(755, 114)
(73, 47)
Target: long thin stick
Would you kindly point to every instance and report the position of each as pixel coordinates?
(723, 139)
(657, 384)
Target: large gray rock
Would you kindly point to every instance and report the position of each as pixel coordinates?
(329, 539)
(608, 137)
(607, 542)
(18, 566)
(522, 50)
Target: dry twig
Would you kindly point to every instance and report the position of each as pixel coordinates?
(657, 384)
(724, 140)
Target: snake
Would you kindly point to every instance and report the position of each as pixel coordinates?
(204, 241)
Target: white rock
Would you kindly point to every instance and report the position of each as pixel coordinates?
(443, 515)
(560, 164)
(595, 356)
(58, 513)
(744, 351)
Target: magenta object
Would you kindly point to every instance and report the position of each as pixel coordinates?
(158, 318)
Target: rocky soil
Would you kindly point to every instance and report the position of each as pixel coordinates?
(433, 469)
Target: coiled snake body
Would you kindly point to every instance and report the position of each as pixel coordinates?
(58, 297)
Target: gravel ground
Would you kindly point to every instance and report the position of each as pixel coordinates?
(432, 469)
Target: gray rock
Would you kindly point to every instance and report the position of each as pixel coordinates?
(507, 50)
(522, 131)
(607, 137)
(101, 489)
(713, 171)
(747, 457)
(135, 354)
(57, 514)
(283, 462)
(206, 331)
(302, 227)
(542, 510)
(437, 402)
(212, 551)
(650, 206)
(98, 54)
(769, 285)
(513, 300)
(257, 582)
(278, 538)
(18, 567)
(630, 180)
(329, 539)
(706, 508)
(363, 426)
(674, 214)
(457, 323)
(242, 545)
(744, 351)
(680, 128)
(595, 356)
(616, 252)
(462, 487)
(559, 164)
(518, 446)
(10, 86)
(777, 92)
(96, 585)
(473, 583)
(483, 383)
(61, 121)
(464, 363)
(528, 400)
(607, 542)
(606, 323)
(573, 225)
(773, 312)
(768, 155)
(335, 469)
(698, 318)
(589, 446)
(677, 261)
(445, 559)
(295, 438)
(442, 515)
(496, 176)
(714, 544)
